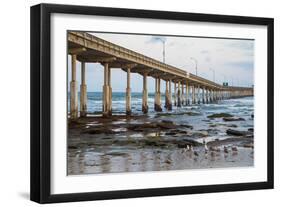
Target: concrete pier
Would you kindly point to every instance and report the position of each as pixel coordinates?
(106, 91)
(144, 95)
(168, 96)
(83, 92)
(207, 96)
(203, 95)
(198, 94)
(73, 90)
(182, 95)
(186, 93)
(179, 95)
(128, 92)
(188, 88)
(193, 94)
(175, 94)
(157, 101)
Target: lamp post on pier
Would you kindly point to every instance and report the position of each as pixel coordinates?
(196, 62)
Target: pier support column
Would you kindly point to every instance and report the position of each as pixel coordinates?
(128, 92)
(216, 95)
(144, 95)
(186, 93)
(179, 95)
(175, 94)
(168, 95)
(198, 94)
(73, 90)
(207, 96)
(106, 92)
(83, 92)
(182, 94)
(157, 102)
(203, 95)
(193, 94)
(210, 96)
(110, 92)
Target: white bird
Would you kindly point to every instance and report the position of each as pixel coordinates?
(206, 148)
(191, 148)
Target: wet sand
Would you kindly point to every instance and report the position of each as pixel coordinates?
(160, 142)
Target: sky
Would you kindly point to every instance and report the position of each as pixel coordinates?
(219, 60)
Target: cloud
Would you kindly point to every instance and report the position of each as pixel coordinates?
(204, 51)
(247, 45)
(246, 65)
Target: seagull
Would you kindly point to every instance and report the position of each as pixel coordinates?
(225, 149)
(206, 148)
(213, 154)
(212, 148)
(218, 149)
(234, 149)
(187, 148)
(191, 148)
(194, 152)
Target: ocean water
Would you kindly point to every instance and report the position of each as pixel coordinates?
(239, 106)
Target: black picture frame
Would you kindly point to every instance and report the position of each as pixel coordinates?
(41, 95)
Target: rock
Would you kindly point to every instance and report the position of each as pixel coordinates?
(166, 125)
(200, 134)
(167, 121)
(142, 127)
(190, 113)
(192, 142)
(186, 126)
(154, 143)
(220, 115)
(233, 119)
(182, 145)
(249, 145)
(168, 161)
(212, 125)
(236, 132)
(232, 125)
(171, 133)
(251, 129)
(99, 131)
